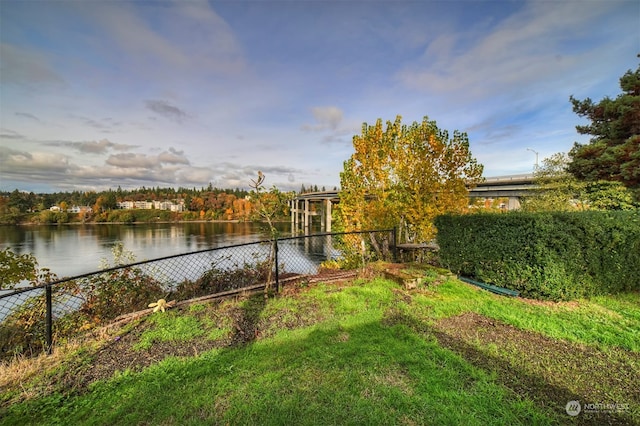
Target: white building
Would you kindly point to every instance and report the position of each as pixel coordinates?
(158, 205)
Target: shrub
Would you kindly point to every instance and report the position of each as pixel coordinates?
(23, 331)
(217, 279)
(117, 292)
(557, 256)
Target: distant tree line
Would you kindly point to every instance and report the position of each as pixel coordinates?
(314, 188)
(208, 203)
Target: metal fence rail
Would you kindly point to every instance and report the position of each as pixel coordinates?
(33, 319)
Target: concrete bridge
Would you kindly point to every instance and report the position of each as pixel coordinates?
(302, 213)
(512, 187)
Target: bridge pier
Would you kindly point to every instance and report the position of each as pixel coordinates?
(302, 217)
(513, 203)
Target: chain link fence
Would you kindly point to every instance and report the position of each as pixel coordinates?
(33, 319)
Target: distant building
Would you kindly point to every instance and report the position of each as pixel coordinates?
(80, 209)
(125, 205)
(146, 205)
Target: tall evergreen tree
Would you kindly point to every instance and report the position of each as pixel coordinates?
(613, 152)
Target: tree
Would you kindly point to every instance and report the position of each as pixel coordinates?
(17, 268)
(608, 195)
(613, 152)
(267, 205)
(404, 176)
(559, 190)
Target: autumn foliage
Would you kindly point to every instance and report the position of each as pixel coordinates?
(404, 176)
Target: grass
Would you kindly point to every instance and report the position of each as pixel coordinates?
(365, 352)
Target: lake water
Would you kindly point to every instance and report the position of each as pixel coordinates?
(69, 250)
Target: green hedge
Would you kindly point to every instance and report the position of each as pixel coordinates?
(556, 256)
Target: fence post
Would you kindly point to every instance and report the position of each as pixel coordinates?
(395, 244)
(275, 243)
(49, 320)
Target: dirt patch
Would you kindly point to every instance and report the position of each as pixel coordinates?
(119, 352)
(551, 372)
(548, 371)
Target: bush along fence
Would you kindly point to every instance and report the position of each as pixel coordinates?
(33, 319)
(556, 256)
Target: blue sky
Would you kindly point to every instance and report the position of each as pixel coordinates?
(95, 95)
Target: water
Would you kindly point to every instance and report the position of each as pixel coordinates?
(69, 250)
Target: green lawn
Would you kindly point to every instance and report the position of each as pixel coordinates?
(365, 352)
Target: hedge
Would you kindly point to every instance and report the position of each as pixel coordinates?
(554, 256)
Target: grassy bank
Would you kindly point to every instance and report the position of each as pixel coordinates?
(361, 352)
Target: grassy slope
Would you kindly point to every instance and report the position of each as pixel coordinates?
(359, 353)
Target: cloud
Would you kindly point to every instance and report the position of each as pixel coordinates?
(132, 170)
(193, 37)
(327, 118)
(127, 170)
(195, 175)
(173, 157)
(32, 165)
(132, 160)
(26, 68)
(9, 134)
(29, 116)
(94, 147)
(231, 175)
(520, 50)
(166, 110)
(330, 119)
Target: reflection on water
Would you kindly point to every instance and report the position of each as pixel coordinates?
(69, 250)
(74, 250)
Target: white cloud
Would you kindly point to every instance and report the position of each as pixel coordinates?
(272, 73)
(330, 120)
(527, 48)
(134, 160)
(181, 37)
(20, 162)
(94, 147)
(327, 118)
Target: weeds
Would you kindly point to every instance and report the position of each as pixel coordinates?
(361, 352)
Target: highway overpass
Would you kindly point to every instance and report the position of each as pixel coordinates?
(512, 187)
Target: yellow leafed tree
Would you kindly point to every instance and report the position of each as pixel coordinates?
(403, 176)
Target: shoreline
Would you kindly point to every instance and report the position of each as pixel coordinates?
(140, 223)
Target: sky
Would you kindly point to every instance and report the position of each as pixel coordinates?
(100, 94)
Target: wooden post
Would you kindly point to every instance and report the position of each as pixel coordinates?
(49, 321)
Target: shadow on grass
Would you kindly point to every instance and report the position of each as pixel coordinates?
(246, 318)
(552, 397)
(397, 371)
